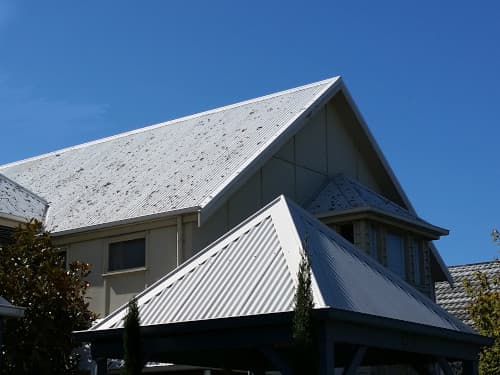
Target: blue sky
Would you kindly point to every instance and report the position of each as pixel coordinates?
(425, 75)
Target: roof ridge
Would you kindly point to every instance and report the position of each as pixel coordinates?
(170, 122)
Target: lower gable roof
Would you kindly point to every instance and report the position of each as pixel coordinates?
(18, 203)
(252, 271)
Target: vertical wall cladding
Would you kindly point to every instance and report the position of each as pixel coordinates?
(91, 252)
(216, 226)
(348, 149)
(245, 201)
(121, 287)
(162, 252)
(278, 177)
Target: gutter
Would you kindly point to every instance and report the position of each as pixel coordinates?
(133, 220)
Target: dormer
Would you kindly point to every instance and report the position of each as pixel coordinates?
(391, 234)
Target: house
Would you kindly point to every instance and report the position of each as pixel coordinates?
(452, 297)
(140, 204)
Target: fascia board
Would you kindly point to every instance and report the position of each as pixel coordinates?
(134, 220)
(252, 164)
(392, 176)
(292, 246)
(376, 211)
(11, 311)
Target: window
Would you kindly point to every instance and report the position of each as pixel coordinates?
(347, 231)
(396, 254)
(416, 247)
(127, 254)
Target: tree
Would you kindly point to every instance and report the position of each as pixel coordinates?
(302, 319)
(33, 275)
(484, 310)
(132, 341)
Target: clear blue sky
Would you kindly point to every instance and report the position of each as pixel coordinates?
(425, 75)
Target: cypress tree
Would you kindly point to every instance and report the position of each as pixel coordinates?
(132, 341)
(302, 319)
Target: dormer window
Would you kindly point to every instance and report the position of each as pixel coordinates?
(389, 233)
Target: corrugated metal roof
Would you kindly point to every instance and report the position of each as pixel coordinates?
(252, 270)
(343, 194)
(171, 166)
(18, 202)
(454, 299)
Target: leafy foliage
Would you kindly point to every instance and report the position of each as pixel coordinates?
(132, 341)
(302, 319)
(484, 310)
(33, 275)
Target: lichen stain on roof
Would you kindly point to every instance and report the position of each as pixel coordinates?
(174, 165)
(343, 194)
(19, 202)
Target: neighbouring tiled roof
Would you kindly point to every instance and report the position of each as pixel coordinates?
(454, 299)
(252, 270)
(20, 203)
(177, 165)
(343, 194)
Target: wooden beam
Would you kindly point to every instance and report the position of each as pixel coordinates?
(356, 360)
(445, 366)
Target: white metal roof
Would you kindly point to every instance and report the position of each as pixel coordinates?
(252, 270)
(343, 195)
(176, 165)
(19, 203)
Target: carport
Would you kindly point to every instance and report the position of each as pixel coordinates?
(230, 307)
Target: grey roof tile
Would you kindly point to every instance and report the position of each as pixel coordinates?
(454, 298)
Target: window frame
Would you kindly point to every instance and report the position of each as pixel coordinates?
(124, 238)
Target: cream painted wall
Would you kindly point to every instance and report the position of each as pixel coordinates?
(108, 290)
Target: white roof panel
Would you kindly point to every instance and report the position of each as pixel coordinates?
(176, 165)
(252, 270)
(20, 203)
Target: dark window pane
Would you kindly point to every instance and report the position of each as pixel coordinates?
(347, 231)
(396, 254)
(127, 254)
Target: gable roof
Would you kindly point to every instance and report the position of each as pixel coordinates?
(343, 195)
(252, 271)
(454, 299)
(179, 165)
(18, 203)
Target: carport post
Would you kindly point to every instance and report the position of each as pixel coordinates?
(326, 351)
(102, 366)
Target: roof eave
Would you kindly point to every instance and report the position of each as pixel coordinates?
(434, 231)
(133, 220)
